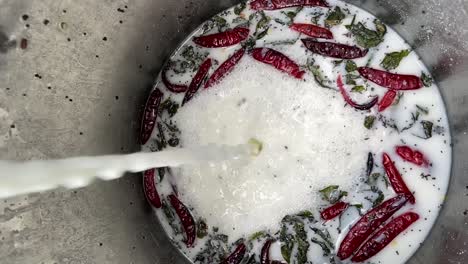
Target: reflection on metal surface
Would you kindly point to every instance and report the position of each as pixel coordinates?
(76, 87)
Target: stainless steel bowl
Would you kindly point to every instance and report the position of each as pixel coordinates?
(79, 86)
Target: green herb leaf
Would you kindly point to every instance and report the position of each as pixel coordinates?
(332, 193)
(262, 34)
(306, 215)
(302, 243)
(350, 66)
(379, 198)
(358, 206)
(350, 78)
(240, 20)
(291, 15)
(365, 37)
(372, 179)
(334, 17)
(239, 8)
(325, 235)
(287, 243)
(250, 43)
(315, 19)
(202, 228)
(220, 22)
(257, 235)
(315, 70)
(422, 109)
(426, 79)
(170, 106)
(398, 98)
(358, 89)
(393, 59)
(369, 121)
(324, 246)
(427, 126)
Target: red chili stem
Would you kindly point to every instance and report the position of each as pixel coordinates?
(348, 100)
(368, 223)
(278, 60)
(384, 236)
(410, 155)
(223, 39)
(312, 30)
(149, 187)
(334, 210)
(175, 88)
(236, 256)
(188, 223)
(278, 4)
(225, 68)
(391, 80)
(197, 80)
(387, 100)
(334, 50)
(399, 186)
(149, 115)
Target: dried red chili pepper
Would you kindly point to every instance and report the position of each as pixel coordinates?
(368, 223)
(384, 236)
(278, 4)
(197, 80)
(265, 253)
(188, 223)
(391, 80)
(225, 68)
(394, 176)
(278, 60)
(413, 156)
(334, 210)
(149, 187)
(236, 256)
(334, 50)
(175, 88)
(223, 39)
(312, 30)
(387, 100)
(149, 115)
(348, 100)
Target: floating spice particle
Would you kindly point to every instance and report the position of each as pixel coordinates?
(23, 44)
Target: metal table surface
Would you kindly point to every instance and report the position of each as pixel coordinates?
(74, 76)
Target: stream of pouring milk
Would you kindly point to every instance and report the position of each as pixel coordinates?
(40, 175)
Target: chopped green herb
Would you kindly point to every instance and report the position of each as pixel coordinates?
(262, 34)
(365, 37)
(302, 244)
(250, 43)
(350, 66)
(220, 22)
(379, 198)
(337, 62)
(358, 206)
(315, 19)
(306, 215)
(193, 58)
(291, 15)
(423, 109)
(239, 8)
(170, 106)
(262, 23)
(369, 121)
(398, 98)
(426, 79)
(202, 228)
(257, 235)
(334, 17)
(279, 21)
(358, 89)
(427, 126)
(350, 78)
(372, 179)
(332, 193)
(393, 59)
(240, 21)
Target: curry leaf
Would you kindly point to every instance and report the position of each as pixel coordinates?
(365, 37)
(427, 126)
(332, 193)
(302, 244)
(358, 89)
(239, 8)
(393, 59)
(202, 228)
(334, 17)
(369, 121)
(426, 79)
(350, 66)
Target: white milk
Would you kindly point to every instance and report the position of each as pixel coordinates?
(311, 140)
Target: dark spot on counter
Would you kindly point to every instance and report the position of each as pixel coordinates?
(100, 244)
(64, 11)
(116, 97)
(28, 26)
(25, 17)
(68, 39)
(120, 10)
(104, 38)
(46, 22)
(5, 42)
(38, 76)
(120, 21)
